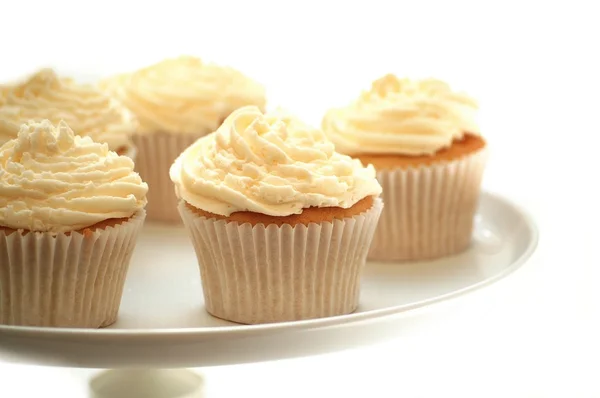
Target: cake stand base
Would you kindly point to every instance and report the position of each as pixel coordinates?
(147, 383)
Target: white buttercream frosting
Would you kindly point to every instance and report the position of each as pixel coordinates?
(53, 180)
(271, 164)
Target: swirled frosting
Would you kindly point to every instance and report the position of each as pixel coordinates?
(402, 116)
(4, 90)
(54, 181)
(87, 110)
(270, 164)
(184, 95)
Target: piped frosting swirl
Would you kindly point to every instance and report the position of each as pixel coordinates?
(402, 116)
(83, 107)
(52, 180)
(271, 164)
(184, 95)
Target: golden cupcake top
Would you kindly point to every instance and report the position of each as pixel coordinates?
(271, 164)
(87, 110)
(402, 116)
(184, 95)
(52, 180)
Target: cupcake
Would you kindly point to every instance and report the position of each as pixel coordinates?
(280, 222)
(176, 102)
(70, 213)
(86, 110)
(423, 139)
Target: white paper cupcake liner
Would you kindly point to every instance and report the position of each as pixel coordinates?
(429, 210)
(156, 154)
(271, 274)
(65, 280)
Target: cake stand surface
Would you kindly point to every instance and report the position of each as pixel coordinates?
(162, 323)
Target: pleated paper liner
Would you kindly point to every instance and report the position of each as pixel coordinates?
(261, 274)
(156, 154)
(65, 280)
(429, 210)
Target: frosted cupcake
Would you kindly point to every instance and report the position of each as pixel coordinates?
(84, 108)
(177, 101)
(423, 139)
(280, 222)
(70, 213)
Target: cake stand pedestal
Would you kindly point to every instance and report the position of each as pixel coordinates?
(147, 383)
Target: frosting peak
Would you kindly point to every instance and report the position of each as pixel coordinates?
(86, 110)
(52, 180)
(41, 138)
(402, 116)
(271, 164)
(184, 94)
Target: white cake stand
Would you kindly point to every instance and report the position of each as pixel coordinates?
(162, 323)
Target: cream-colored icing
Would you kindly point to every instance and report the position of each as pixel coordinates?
(184, 95)
(87, 110)
(52, 180)
(271, 164)
(402, 116)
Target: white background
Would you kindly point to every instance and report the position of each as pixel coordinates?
(534, 67)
